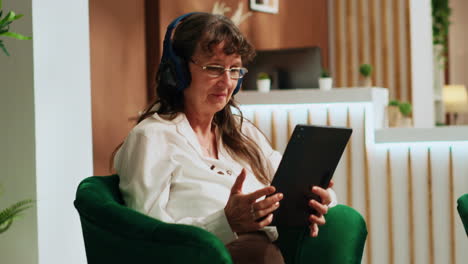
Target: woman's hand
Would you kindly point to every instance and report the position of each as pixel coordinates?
(318, 219)
(242, 211)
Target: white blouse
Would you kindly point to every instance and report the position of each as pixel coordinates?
(164, 174)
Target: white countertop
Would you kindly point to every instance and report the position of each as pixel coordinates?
(401, 135)
(302, 96)
(374, 95)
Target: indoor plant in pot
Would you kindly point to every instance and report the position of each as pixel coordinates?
(365, 70)
(399, 114)
(405, 110)
(263, 82)
(325, 81)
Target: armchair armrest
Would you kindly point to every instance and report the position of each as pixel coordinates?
(340, 240)
(114, 233)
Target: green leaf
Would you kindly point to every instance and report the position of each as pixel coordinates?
(4, 227)
(4, 48)
(6, 24)
(15, 35)
(18, 16)
(1, 4)
(9, 17)
(14, 211)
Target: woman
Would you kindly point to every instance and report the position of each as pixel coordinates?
(190, 160)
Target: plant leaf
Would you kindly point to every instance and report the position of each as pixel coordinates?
(8, 17)
(15, 35)
(18, 16)
(14, 210)
(4, 48)
(4, 227)
(1, 4)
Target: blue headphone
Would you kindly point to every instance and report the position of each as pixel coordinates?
(173, 69)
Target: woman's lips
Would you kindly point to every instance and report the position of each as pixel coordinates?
(220, 95)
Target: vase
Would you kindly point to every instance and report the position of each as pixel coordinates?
(365, 82)
(325, 84)
(394, 116)
(263, 85)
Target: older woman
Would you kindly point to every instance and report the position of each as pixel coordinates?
(190, 160)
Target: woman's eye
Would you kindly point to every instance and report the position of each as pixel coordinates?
(215, 69)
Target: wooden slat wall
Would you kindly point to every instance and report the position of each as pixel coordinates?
(374, 32)
(406, 191)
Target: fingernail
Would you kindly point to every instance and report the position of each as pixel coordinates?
(280, 196)
(276, 204)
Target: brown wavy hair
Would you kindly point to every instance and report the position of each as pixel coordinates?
(206, 30)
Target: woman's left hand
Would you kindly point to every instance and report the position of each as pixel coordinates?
(318, 219)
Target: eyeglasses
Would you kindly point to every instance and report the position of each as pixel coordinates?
(214, 71)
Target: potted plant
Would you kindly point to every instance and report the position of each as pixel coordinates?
(441, 12)
(325, 81)
(365, 70)
(5, 23)
(405, 110)
(399, 114)
(263, 82)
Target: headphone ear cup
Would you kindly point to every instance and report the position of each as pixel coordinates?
(238, 86)
(167, 74)
(182, 72)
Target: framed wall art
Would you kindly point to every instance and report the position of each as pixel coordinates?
(268, 6)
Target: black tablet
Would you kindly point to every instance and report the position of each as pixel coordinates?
(310, 159)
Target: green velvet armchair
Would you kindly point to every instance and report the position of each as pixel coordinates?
(463, 210)
(116, 234)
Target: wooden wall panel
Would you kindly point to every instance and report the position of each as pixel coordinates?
(118, 73)
(375, 32)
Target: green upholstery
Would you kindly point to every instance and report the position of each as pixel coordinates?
(116, 234)
(463, 210)
(340, 241)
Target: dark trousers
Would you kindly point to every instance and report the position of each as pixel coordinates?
(254, 248)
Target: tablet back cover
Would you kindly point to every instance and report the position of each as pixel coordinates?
(310, 159)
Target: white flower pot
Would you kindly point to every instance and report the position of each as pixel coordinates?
(263, 85)
(325, 84)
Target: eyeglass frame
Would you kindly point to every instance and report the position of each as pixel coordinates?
(242, 70)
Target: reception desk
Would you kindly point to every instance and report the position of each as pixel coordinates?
(404, 181)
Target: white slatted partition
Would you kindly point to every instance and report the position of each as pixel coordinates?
(406, 191)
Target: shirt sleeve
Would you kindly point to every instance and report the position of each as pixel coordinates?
(145, 170)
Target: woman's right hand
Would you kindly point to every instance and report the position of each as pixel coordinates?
(242, 211)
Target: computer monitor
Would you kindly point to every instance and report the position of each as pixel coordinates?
(289, 68)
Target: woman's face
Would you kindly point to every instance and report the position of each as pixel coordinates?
(207, 94)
